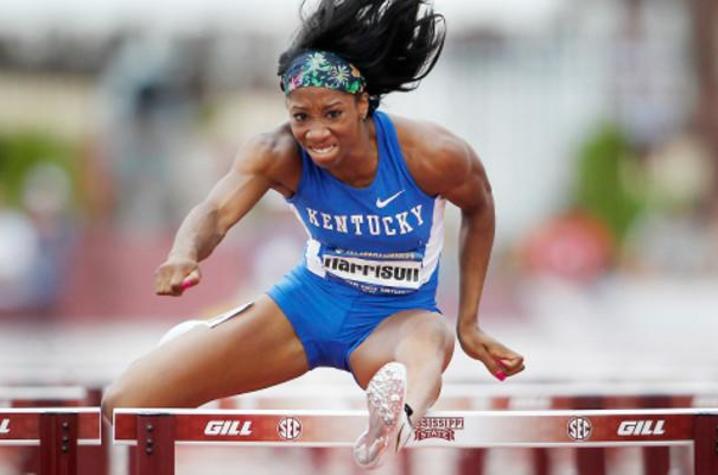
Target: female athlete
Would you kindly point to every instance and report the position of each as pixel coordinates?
(370, 190)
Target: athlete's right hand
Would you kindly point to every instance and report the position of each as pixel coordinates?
(175, 275)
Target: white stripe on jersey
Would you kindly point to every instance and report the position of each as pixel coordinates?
(314, 262)
(435, 243)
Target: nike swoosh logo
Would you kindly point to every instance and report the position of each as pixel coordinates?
(382, 203)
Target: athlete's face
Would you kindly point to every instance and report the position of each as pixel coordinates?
(327, 123)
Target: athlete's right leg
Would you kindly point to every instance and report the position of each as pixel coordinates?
(253, 350)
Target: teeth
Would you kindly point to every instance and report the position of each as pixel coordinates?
(322, 150)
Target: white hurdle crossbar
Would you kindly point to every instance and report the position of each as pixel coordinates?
(156, 431)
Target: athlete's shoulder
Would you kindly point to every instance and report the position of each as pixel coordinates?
(274, 155)
(265, 150)
(435, 156)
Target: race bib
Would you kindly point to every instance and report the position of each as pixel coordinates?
(394, 273)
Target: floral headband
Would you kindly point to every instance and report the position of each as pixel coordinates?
(322, 69)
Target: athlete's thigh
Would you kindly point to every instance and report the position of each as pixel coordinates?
(423, 328)
(255, 349)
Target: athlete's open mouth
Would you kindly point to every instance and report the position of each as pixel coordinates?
(325, 150)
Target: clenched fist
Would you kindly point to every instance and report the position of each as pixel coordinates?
(176, 275)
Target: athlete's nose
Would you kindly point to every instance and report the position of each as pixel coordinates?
(317, 134)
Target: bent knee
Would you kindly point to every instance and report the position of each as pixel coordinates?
(117, 397)
(437, 332)
(432, 335)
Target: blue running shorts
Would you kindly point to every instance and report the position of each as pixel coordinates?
(331, 319)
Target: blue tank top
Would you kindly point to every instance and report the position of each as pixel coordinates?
(385, 238)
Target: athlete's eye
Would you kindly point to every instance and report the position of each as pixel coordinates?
(335, 114)
(299, 117)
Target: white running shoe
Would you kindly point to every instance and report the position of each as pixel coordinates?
(385, 393)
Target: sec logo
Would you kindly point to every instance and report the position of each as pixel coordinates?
(289, 428)
(579, 428)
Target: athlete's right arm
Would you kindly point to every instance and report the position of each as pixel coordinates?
(257, 168)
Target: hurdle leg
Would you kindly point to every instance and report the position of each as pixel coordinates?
(132, 460)
(58, 444)
(705, 444)
(31, 456)
(539, 457)
(93, 460)
(656, 460)
(471, 461)
(590, 461)
(155, 452)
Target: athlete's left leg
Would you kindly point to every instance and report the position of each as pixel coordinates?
(422, 341)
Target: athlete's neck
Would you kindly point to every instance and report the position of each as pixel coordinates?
(360, 165)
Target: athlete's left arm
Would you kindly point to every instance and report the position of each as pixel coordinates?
(461, 178)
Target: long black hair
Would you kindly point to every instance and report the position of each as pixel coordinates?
(394, 43)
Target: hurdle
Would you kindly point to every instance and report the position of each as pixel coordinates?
(458, 396)
(91, 460)
(617, 395)
(156, 432)
(57, 431)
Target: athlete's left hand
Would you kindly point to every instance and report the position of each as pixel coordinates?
(498, 359)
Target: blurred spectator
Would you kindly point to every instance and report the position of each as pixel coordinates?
(676, 235)
(47, 200)
(608, 182)
(154, 91)
(680, 175)
(19, 257)
(36, 207)
(647, 86)
(574, 246)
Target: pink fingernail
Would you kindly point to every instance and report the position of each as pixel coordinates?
(500, 375)
(186, 284)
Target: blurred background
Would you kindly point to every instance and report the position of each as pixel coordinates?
(597, 122)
